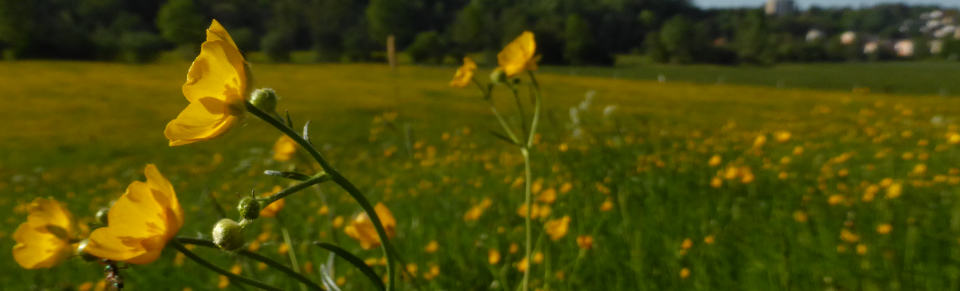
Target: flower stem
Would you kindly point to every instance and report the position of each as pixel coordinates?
(273, 264)
(528, 175)
(291, 249)
(341, 181)
(316, 179)
(180, 247)
(526, 201)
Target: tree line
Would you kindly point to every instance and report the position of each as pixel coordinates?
(578, 32)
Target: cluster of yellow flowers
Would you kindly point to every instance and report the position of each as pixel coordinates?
(141, 223)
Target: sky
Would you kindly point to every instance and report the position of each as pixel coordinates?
(807, 3)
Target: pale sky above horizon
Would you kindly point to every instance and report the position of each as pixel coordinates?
(824, 3)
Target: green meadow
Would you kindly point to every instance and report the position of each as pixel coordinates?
(688, 184)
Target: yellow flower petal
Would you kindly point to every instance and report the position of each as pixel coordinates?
(518, 55)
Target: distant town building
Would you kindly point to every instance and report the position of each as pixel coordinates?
(779, 7)
(871, 47)
(936, 46)
(904, 48)
(814, 35)
(848, 38)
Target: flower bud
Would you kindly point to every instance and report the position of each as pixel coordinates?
(102, 215)
(264, 99)
(228, 235)
(82, 251)
(249, 208)
(498, 76)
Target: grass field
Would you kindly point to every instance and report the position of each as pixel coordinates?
(683, 186)
(903, 78)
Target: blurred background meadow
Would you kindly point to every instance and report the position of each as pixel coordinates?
(694, 145)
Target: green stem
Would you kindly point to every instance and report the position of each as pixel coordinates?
(316, 179)
(355, 261)
(536, 110)
(523, 114)
(529, 229)
(237, 278)
(341, 181)
(270, 262)
(528, 175)
(291, 251)
(488, 96)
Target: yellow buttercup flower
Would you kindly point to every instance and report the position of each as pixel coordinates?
(216, 86)
(464, 74)
(362, 229)
(284, 149)
(271, 209)
(518, 55)
(43, 241)
(140, 223)
(557, 228)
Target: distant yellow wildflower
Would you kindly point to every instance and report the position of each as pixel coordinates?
(493, 256)
(431, 247)
(140, 222)
(557, 228)
(284, 149)
(684, 273)
(686, 244)
(362, 229)
(715, 160)
(270, 210)
(884, 228)
(585, 242)
(217, 85)
(782, 136)
(518, 56)
(43, 241)
(894, 190)
(607, 205)
(464, 74)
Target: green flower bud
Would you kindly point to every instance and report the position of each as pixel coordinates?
(249, 208)
(498, 76)
(228, 235)
(102, 215)
(82, 251)
(265, 99)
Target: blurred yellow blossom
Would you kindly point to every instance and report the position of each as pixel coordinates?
(431, 247)
(270, 210)
(585, 242)
(43, 241)
(284, 149)
(518, 55)
(884, 228)
(362, 229)
(493, 256)
(464, 74)
(557, 228)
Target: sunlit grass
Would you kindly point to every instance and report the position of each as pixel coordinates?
(638, 181)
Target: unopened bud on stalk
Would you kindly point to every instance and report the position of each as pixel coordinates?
(249, 208)
(82, 251)
(228, 235)
(498, 76)
(264, 99)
